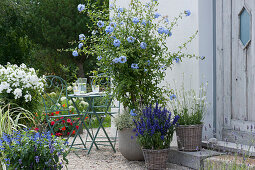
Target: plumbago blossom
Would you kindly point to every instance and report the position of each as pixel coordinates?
(189, 105)
(19, 82)
(155, 128)
(132, 47)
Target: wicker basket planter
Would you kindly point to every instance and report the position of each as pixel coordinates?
(189, 137)
(155, 159)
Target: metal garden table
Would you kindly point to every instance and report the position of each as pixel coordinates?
(93, 111)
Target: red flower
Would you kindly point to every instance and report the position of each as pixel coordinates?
(63, 121)
(36, 128)
(63, 128)
(77, 127)
(52, 114)
(59, 134)
(52, 123)
(68, 133)
(73, 133)
(64, 105)
(71, 124)
(68, 120)
(86, 118)
(62, 118)
(51, 134)
(57, 119)
(57, 112)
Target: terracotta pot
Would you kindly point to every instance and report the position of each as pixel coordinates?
(128, 145)
(189, 137)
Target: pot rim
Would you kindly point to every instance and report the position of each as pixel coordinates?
(166, 149)
(197, 125)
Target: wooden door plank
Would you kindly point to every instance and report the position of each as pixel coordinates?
(219, 69)
(239, 86)
(250, 5)
(227, 53)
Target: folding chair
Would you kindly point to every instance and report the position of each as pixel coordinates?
(101, 105)
(58, 114)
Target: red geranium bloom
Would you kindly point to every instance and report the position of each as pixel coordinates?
(73, 132)
(51, 134)
(68, 133)
(62, 118)
(52, 114)
(57, 119)
(57, 112)
(71, 124)
(64, 128)
(68, 120)
(52, 123)
(36, 128)
(86, 118)
(63, 121)
(64, 105)
(77, 127)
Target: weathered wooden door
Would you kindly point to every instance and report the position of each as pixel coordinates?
(235, 70)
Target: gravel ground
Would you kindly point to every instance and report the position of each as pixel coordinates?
(105, 158)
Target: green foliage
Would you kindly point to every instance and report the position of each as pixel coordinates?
(190, 106)
(124, 120)
(138, 86)
(15, 46)
(31, 150)
(14, 118)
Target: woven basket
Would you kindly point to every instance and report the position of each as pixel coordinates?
(155, 159)
(189, 137)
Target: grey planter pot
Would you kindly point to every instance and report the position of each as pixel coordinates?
(128, 147)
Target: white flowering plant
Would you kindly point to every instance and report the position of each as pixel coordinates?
(189, 105)
(20, 85)
(131, 47)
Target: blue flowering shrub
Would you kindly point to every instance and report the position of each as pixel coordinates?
(155, 128)
(130, 46)
(32, 150)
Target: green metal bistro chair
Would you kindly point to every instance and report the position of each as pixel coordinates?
(100, 106)
(58, 114)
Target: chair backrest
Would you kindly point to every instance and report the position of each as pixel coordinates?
(55, 96)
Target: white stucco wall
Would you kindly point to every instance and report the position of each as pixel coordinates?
(195, 71)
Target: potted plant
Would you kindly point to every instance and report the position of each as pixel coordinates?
(33, 150)
(131, 48)
(128, 145)
(155, 130)
(191, 109)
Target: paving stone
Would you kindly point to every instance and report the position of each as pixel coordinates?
(192, 160)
